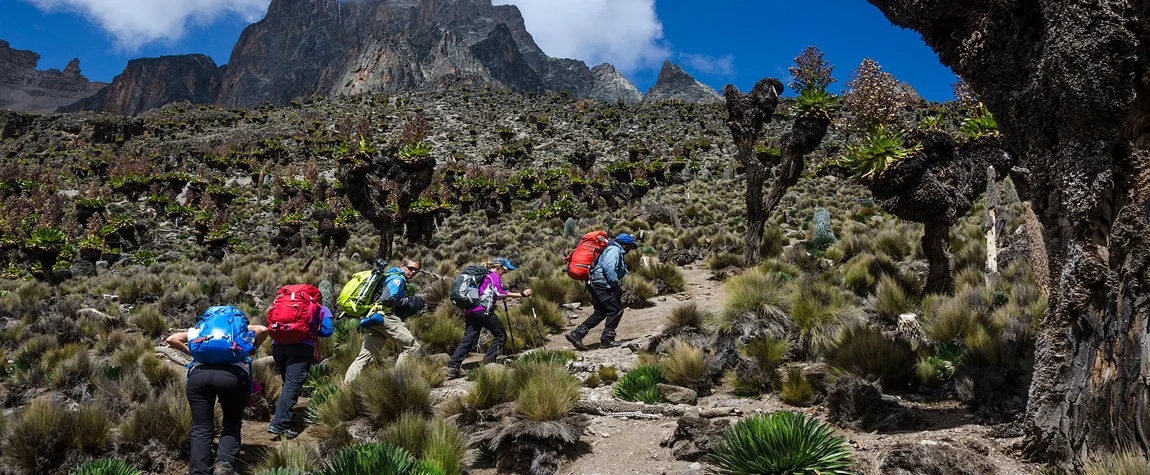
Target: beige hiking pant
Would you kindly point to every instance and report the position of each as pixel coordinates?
(391, 328)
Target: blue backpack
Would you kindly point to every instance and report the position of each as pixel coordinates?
(221, 337)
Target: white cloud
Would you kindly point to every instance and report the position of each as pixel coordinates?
(134, 23)
(626, 33)
(722, 66)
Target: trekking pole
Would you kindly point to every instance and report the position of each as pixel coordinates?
(537, 325)
(510, 331)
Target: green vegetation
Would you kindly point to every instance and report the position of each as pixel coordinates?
(638, 385)
(782, 442)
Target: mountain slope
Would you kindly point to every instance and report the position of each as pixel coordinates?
(25, 88)
(674, 84)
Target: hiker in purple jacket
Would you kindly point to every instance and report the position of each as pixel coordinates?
(483, 316)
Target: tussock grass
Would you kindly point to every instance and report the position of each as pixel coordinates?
(666, 277)
(891, 299)
(751, 293)
(151, 321)
(432, 368)
(686, 316)
(1129, 462)
(165, 418)
(818, 310)
(295, 456)
(724, 260)
(866, 353)
(608, 374)
(684, 365)
(796, 389)
(446, 447)
(385, 394)
(408, 432)
(38, 436)
(637, 290)
(492, 386)
(547, 392)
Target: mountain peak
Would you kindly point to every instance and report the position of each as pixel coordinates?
(675, 84)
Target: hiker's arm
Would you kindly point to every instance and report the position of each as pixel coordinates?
(179, 341)
(325, 325)
(518, 295)
(261, 335)
(396, 287)
(611, 266)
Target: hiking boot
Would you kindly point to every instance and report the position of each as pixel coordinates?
(576, 342)
(274, 430)
(223, 468)
(454, 373)
(609, 344)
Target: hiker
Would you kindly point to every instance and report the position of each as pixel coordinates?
(296, 321)
(386, 320)
(606, 293)
(220, 345)
(483, 316)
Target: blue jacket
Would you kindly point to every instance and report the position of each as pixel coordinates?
(610, 268)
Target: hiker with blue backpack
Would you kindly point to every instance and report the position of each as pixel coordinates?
(386, 319)
(296, 321)
(220, 344)
(605, 283)
(476, 292)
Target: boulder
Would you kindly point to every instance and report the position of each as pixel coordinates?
(858, 404)
(82, 268)
(677, 394)
(695, 437)
(933, 458)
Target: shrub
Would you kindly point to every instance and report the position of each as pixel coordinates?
(639, 384)
(782, 442)
(492, 386)
(292, 456)
(165, 418)
(796, 390)
(107, 466)
(666, 277)
(1130, 462)
(544, 391)
(684, 364)
(385, 394)
(38, 436)
(685, 316)
(866, 353)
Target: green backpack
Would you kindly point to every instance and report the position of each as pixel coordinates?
(359, 293)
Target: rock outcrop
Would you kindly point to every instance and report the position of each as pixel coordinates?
(331, 48)
(674, 84)
(24, 88)
(933, 459)
(148, 83)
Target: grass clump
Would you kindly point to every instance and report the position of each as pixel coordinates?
(492, 386)
(107, 466)
(666, 277)
(758, 374)
(891, 299)
(560, 357)
(292, 457)
(639, 384)
(796, 389)
(783, 442)
(608, 374)
(151, 321)
(724, 260)
(440, 331)
(165, 418)
(38, 436)
(685, 316)
(866, 353)
(636, 291)
(684, 365)
(91, 429)
(1130, 462)
(546, 392)
(376, 459)
(385, 394)
(818, 309)
(409, 432)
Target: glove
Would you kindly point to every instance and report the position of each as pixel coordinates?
(410, 307)
(371, 321)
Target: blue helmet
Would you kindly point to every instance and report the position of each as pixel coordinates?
(625, 239)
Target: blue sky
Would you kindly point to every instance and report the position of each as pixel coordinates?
(719, 41)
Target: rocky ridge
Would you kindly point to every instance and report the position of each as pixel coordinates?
(674, 84)
(25, 88)
(149, 83)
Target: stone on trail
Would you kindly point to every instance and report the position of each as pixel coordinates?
(677, 394)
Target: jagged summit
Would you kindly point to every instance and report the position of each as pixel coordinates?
(674, 84)
(25, 88)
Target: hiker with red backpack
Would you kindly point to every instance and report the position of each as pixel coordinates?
(476, 291)
(220, 344)
(296, 321)
(604, 281)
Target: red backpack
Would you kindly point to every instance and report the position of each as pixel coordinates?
(292, 317)
(582, 259)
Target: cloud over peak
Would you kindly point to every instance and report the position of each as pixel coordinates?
(134, 23)
(626, 33)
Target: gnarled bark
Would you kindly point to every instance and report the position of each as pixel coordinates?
(746, 114)
(805, 136)
(1068, 83)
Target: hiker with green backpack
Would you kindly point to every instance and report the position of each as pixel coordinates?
(385, 319)
(220, 344)
(476, 292)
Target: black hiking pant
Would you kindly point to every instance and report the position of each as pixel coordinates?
(608, 304)
(292, 363)
(231, 385)
(473, 323)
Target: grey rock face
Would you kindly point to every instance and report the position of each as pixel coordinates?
(610, 86)
(933, 459)
(674, 84)
(148, 83)
(24, 88)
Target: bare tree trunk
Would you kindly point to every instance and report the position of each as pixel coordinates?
(1036, 244)
(386, 240)
(806, 135)
(935, 241)
(746, 114)
(756, 215)
(991, 224)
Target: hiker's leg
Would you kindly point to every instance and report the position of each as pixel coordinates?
(234, 387)
(492, 324)
(597, 316)
(202, 401)
(471, 328)
(279, 356)
(298, 359)
(613, 307)
(372, 343)
(398, 331)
